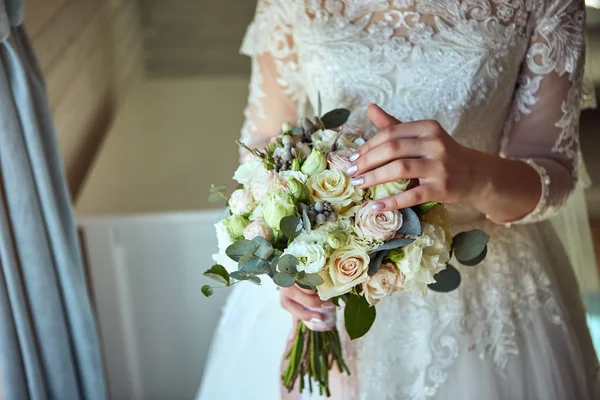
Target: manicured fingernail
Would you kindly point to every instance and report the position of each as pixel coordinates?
(354, 157)
(315, 320)
(378, 206)
(358, 181)
(352, 170)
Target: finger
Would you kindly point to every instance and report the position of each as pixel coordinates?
(406, 168)
(298, 311)
(380, 118)
(418, 195)
(386, 153)
(307, 291)
(307, 300)
(416, 129)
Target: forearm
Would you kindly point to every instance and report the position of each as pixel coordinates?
(509, 189)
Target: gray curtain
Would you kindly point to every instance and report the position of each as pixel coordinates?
(48, 341)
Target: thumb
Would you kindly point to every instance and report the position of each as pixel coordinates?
(380, 118)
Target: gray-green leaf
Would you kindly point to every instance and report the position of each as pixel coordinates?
(255, 266)
(469, 246)
(476, 260)
(335, 118)
(394, 244)
(239, 249)
(311, 280)
(264, 249)
(283, 280)
(446, 280)
(207, 290)
(291, 226)
(240, 276)
(288, 264)
(218, 273)
(358, 316)
(411, 225)
(376, 260)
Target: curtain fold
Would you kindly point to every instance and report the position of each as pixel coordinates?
(48, 340)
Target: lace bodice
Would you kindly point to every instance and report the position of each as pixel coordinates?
(501, 76)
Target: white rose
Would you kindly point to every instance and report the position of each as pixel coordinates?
(335, 187)
(309, 249)
(377, 225)
(385, 282)
(241, 201)
(265, 182)
(424, 258)
(325, 139)
(297, 175)
(389, 189)
(339, 159)
(248, 170)
(258, 228)
(346, 268)
(223, 241)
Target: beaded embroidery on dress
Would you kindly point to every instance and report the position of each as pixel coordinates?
(501, 76)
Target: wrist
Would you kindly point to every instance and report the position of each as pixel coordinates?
(482, 176)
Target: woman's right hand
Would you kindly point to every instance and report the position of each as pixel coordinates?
(298, 301)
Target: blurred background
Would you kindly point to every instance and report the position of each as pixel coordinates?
(147, 97)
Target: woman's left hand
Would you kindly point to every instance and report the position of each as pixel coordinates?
(447, 171)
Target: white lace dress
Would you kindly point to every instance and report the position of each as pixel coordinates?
(501, 76)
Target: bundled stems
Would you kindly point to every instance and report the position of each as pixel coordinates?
(312, 356)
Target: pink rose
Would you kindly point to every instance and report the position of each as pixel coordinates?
(386, 281)
(339, 159)
(264, 183)
(258, 228)
(241, 202)
(377, 225)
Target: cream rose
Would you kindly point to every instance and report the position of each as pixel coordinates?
(325, 139)
(264, 183)
(339, 159)
(377, 225)
(424, 258)
(346, 268)
(335, 187)
(389, 189)
(258, 227)
(248, 170)
(241, 201)
(386, 281)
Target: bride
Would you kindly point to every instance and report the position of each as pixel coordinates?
(482, 101)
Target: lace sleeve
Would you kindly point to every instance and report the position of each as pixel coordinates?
(274, 91)
(544, 129)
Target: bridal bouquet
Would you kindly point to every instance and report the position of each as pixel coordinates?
(296, 219)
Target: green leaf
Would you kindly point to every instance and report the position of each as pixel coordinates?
(335, 118)
(446, 280)
(214, 197)
(311, 280)
(283, 280)
(300, 275)
(394, 244)
(336, 301)
(254, 279)
(306, 221)
(246, 258)
(240, 276)
(469, 246)
(376, 260)
(319, 105)
(425, 207)
(411, 225)
(264, 249)
(239, 249)
(218, 273)
(255, 266)
(207, 290)
(291, 226)
(476, 260)
(288, 264)
(359, 316)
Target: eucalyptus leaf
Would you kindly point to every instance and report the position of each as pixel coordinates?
(358, 316)
(311, 280)
(335, 118)
(425, 207)
(469, 245)
(239, 249)
(246, 258)
(376, 260)
(254, 279)
(411, 225)
(219, 188)
(240, 276)
(214, 197)
(300, 275)
(446, 280)
(255, 266)
(218, 273)
(207, 290)
(264, 249)
(288, 264)
(394, 244)
(291, 226)
(283, 280)
(476, 260)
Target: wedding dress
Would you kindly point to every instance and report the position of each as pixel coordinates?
(501, 76)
